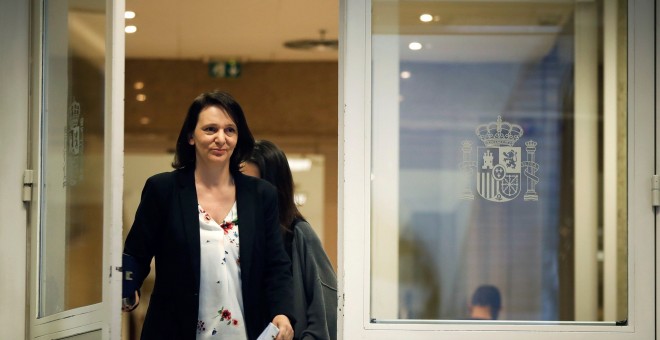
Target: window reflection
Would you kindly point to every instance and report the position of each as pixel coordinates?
(488, 149)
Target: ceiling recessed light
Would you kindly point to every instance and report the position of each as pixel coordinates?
(405, 75)
(138, 85)
(426, 17)
(141, 97)
(415, 46)
(129, 15)
(130, 29)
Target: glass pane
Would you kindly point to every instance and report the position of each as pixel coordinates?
(499, 161)
(71, 225)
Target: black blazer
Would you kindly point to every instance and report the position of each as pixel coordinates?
(166, 227)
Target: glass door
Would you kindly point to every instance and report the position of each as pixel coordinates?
(77, 156)
(498, 175)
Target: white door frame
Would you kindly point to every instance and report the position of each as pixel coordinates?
(354, 195)
(101, 319)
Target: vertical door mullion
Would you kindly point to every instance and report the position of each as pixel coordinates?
(114, 165)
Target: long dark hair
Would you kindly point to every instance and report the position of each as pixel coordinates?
(185, 153)
(274, 167)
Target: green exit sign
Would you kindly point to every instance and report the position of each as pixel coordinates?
(224, 69)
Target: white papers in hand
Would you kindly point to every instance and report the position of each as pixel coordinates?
(269, 333)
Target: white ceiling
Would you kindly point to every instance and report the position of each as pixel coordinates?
(255, 30)
(245, 30)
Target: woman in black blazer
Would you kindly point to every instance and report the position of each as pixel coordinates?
(221, 269)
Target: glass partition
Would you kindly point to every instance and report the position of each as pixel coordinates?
(72, 167)
(499, 161)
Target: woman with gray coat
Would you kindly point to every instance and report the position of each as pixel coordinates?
(314, 278)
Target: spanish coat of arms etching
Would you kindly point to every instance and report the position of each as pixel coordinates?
(500, 170)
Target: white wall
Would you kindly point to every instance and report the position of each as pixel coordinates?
(14, 85)
(310, 184)
(137, 168)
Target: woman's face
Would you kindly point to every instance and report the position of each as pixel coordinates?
(215, 137)
(250, 169)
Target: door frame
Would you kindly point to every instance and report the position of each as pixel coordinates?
(14, 100)
(103, 317)
(354, 194)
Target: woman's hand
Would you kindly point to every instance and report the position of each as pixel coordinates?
(125, 303)
(284, 325)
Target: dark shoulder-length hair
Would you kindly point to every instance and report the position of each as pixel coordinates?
(274, 167)
(185, 153)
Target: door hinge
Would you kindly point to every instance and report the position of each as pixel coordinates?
(655, 190)
(28, 180)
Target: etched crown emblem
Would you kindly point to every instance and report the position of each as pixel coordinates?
(499, 133)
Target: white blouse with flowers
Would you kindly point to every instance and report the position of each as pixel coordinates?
(220, 300)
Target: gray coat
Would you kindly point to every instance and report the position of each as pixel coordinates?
(315, 286)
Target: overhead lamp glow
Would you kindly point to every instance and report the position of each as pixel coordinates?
(129, 15)
(415, 46)
(426, 17)
(300, 164)
(130, 29)
(405, 75)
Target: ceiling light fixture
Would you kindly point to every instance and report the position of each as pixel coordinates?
(130, 29)
(129, 15)
(426, 17)
(415, 46)
(320, 44)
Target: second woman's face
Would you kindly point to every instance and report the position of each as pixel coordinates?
(215, 136)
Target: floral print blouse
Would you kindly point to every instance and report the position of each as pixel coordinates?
(220, 299)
